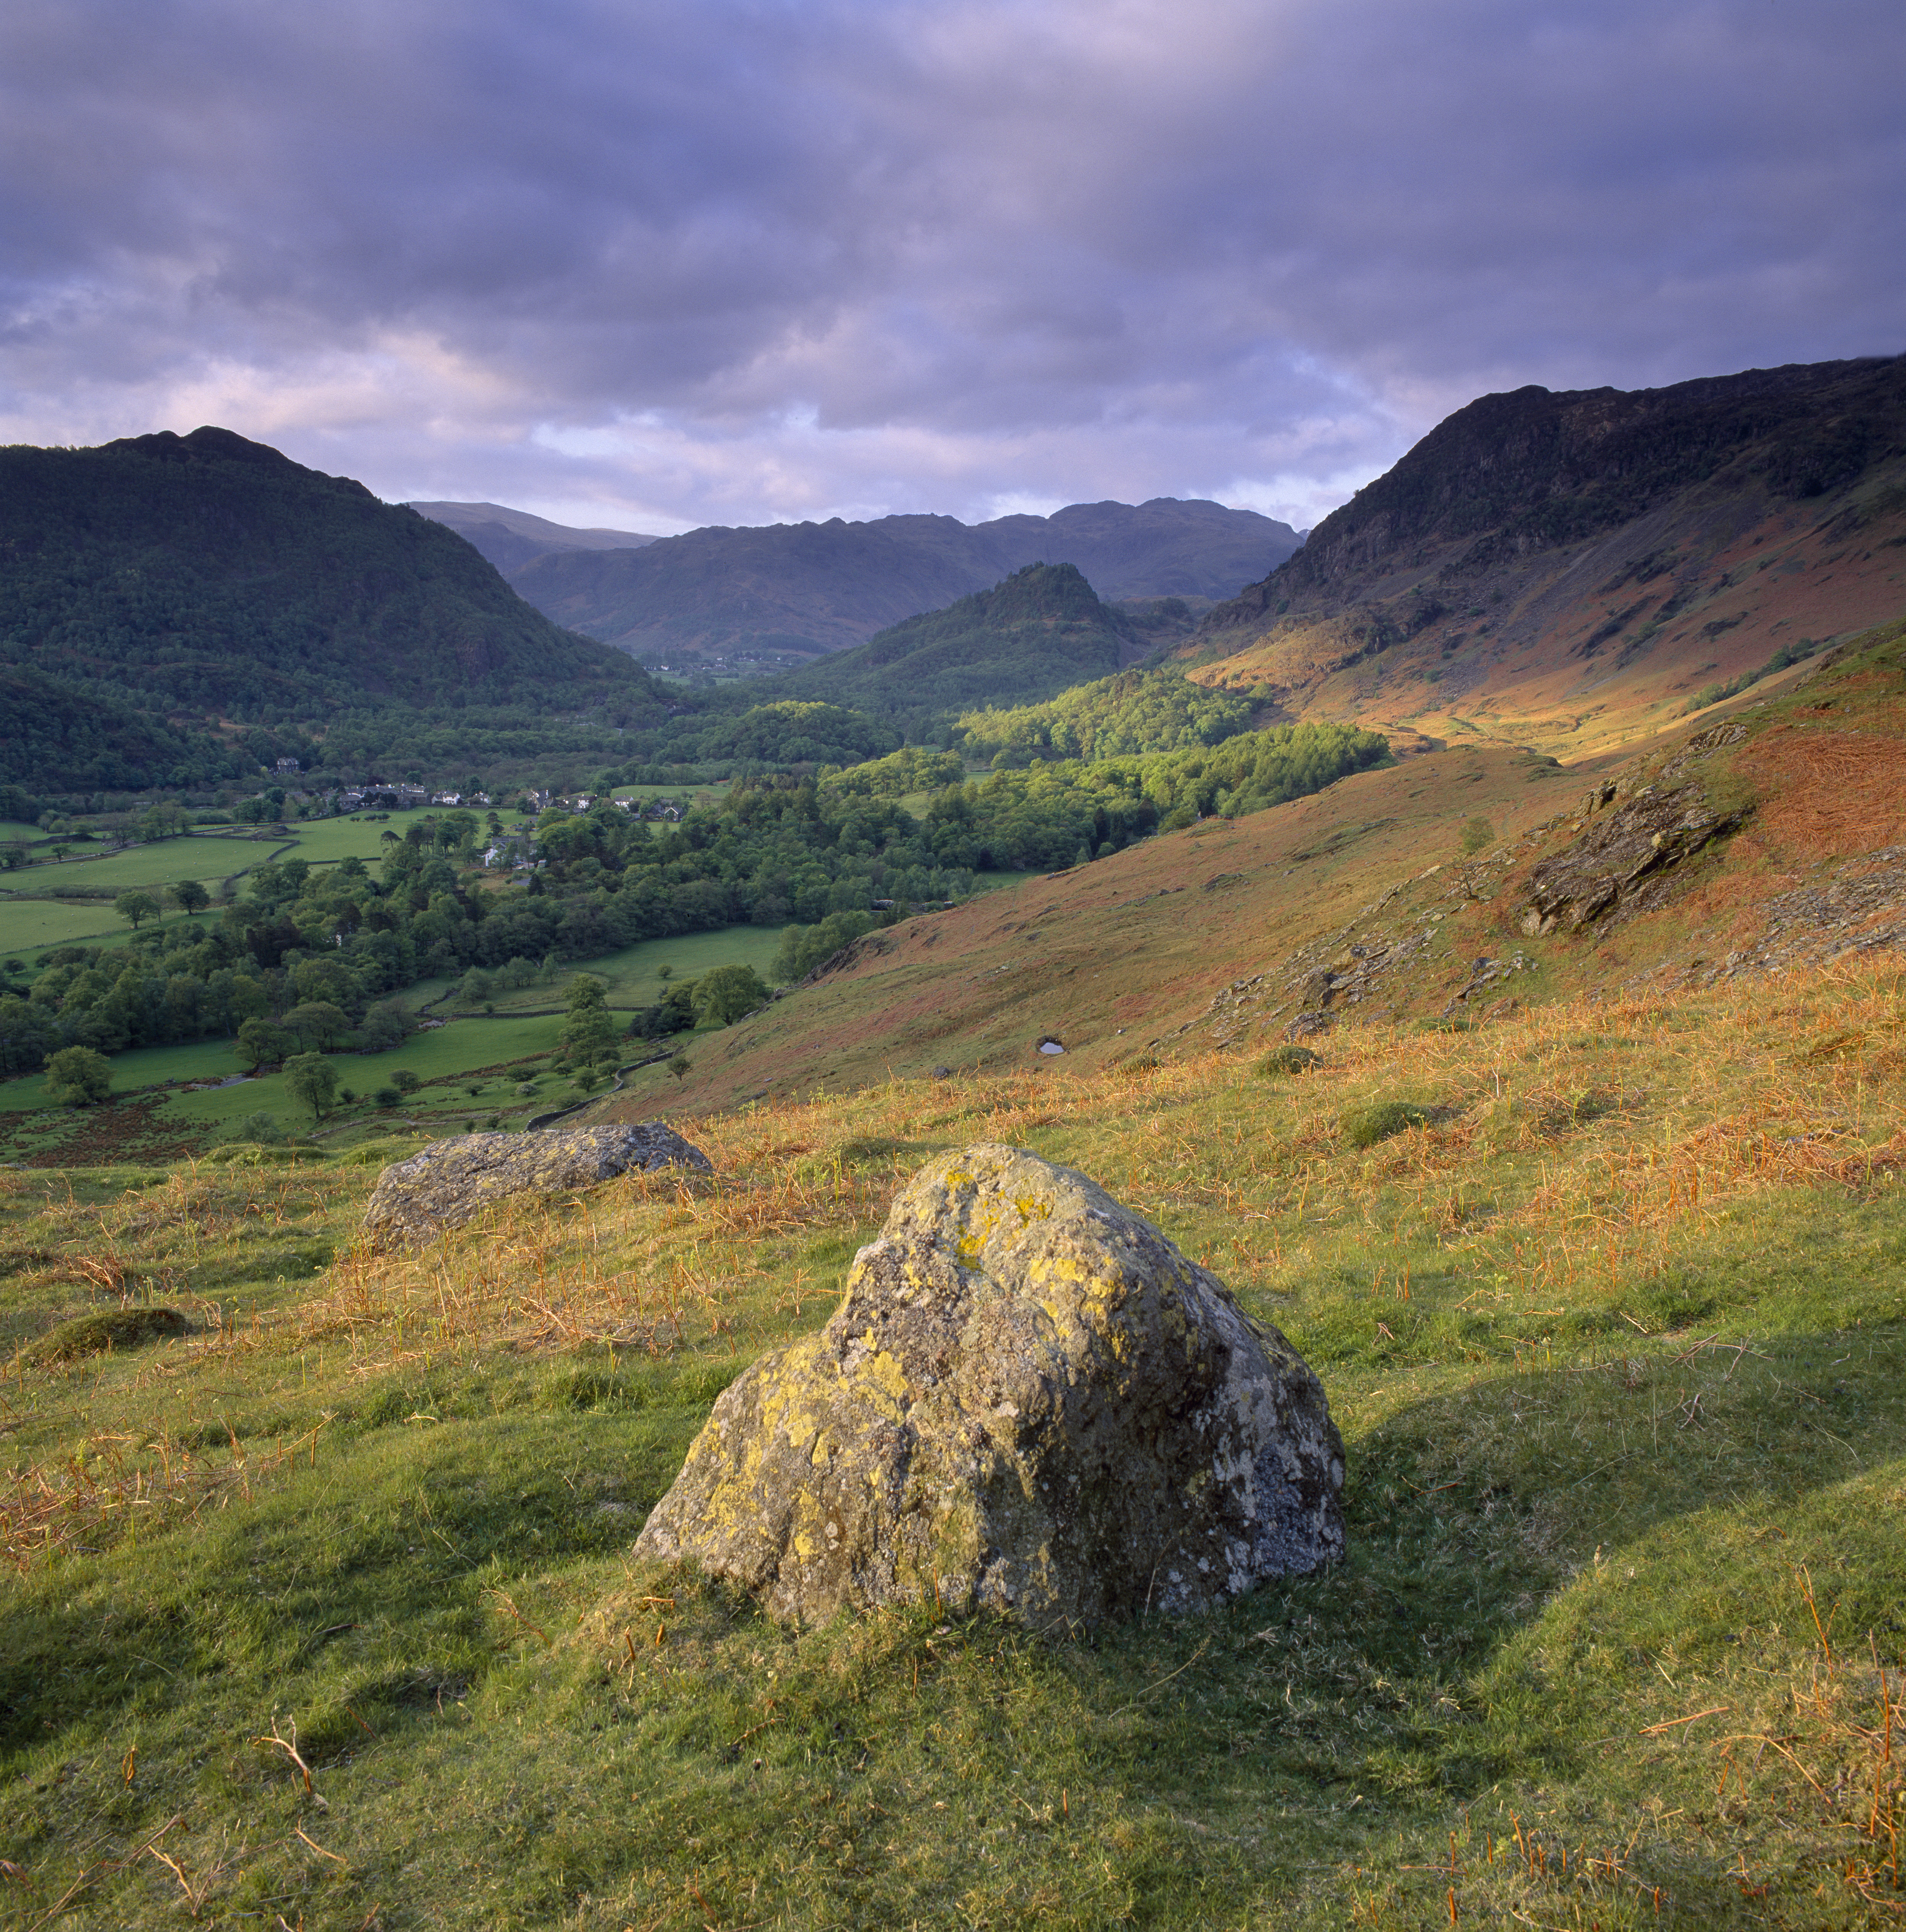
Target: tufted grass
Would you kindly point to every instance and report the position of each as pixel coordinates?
(322, 1612)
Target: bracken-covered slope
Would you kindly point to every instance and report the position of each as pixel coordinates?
(1579, 570)
(201, 578)
(800, 590)
(1449, 887)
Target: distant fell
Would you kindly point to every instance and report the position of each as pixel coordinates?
(785, 591)
(1579, 569)
(1039, 631)
(158, 590)
(509, 538)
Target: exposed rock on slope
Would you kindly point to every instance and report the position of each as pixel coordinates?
(450, 1180)
(1028, 1400)
(1636, 841)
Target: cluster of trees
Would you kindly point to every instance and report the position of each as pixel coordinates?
(307, 961)
(1133, 713)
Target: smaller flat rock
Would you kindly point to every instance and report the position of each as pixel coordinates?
(450, 1180)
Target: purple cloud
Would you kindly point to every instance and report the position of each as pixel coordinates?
(666, 264)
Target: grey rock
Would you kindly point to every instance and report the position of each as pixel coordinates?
(447, 1182)
(1028, 1400)
(1602, 867)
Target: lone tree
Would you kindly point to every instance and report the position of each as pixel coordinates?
(76, 1076)
(190, 897)
(311, 1078)
(727, 994)
(135, 906)
(260, 1041)
(588, 1038)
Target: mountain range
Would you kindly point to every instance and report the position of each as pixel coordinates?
(769, 596)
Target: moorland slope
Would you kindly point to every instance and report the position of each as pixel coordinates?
(1401, 895)
(1577, 571)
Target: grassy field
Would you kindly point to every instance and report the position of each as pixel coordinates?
(12, 829)
(143, 1123)
(152, 867)
(632, 976)
(27, 926)
(324, 841)
(323, 1612)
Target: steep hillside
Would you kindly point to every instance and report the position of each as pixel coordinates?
(792, 590)
(202, 579)
(509, 538)
(1578, 571)
(1448, 888)
(1039, 632)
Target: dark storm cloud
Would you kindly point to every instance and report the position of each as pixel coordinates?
(728, 261)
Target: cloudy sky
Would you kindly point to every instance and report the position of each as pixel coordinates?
(656, 263)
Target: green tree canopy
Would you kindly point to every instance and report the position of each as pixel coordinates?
(726, 994)
(76, 1076)
(589, 1036)
(190, 896)
(135, 906)
(259, 1042)
(317, 1021)
(310, 1078)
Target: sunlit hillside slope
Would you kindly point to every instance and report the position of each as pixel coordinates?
(1576, 571)
(1361, 903)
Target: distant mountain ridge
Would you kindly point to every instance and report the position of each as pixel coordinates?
(1569, 569)
(509, 538)
(783, 591)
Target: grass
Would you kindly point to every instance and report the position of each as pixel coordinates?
(325, 841)
(152, 867)
(148, 1120)
(632, 976)
(1616, 1338)
(29, 926)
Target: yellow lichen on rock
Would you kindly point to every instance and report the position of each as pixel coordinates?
(1028, 1398)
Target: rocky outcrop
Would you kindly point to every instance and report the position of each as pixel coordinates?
(449, 1180)
(1028, 1400)
(1653, 832)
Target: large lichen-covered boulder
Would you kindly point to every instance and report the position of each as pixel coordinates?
(1028, 1399)
(449, 1180)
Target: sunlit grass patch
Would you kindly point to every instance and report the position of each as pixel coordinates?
(1616, 1338)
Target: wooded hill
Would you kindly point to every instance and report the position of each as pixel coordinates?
(1577, 570)
(1039, 631)
(156, 591)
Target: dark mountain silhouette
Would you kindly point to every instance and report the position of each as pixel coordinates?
(803, 590)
